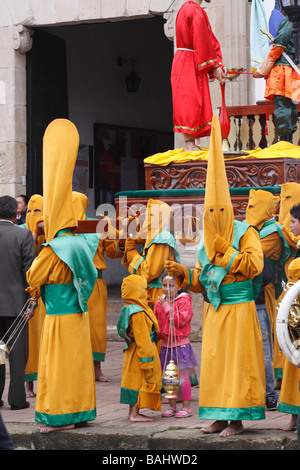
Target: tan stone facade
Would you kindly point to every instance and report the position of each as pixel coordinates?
(229, 19)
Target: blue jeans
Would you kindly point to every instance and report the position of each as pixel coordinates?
(5, 440)
(265, 327)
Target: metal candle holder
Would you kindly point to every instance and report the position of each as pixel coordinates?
(170, 377)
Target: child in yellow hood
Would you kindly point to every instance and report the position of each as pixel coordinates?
(141, 375)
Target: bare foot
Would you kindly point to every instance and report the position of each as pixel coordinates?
(139, 418)
(292, 424)
(29, 389)
(192, 148)
(217, 426)
(190, 145)
(99, 376)
(102, 378)
(234, 428)
(48, 429)
(135, 416)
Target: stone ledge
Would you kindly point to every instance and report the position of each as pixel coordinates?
(109, 438)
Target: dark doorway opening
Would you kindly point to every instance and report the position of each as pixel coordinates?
(47, 99)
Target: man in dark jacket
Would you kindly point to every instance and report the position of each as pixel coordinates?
(17, 252)
(265, 327)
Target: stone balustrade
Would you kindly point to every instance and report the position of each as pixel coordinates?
(253, 127)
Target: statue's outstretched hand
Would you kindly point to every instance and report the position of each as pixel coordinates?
(220, 74)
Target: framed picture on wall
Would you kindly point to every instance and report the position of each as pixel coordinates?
(119, 154)
(83, 171)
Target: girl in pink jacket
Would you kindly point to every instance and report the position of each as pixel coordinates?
(183, 354)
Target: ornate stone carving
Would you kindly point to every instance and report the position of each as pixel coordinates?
(22, 38)
(241, 173)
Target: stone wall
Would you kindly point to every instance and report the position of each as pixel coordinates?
(229, 19)
(17, 18)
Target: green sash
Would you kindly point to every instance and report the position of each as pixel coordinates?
(123, 323)
(60, 299)
(212, 276)
(230, 294)
(163, 237)
(74, 252)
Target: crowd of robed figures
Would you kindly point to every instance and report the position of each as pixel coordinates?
(69, 325)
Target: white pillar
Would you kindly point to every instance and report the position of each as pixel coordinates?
(14, 42)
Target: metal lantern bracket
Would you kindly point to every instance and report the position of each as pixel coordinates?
(132, 80)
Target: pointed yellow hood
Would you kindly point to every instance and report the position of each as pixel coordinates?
(34, 211)
(158, 215)
(80, 202)
(218, 211)
(289, 197)
(60, 148)
(261, 207)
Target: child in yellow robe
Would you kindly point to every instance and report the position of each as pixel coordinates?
(141, 375)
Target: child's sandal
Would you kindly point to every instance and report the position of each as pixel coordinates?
(184, 413)
(170, 412)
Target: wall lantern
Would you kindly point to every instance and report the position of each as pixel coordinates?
(132, 80)
(291, 8)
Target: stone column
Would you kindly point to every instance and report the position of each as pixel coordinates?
(15, 41)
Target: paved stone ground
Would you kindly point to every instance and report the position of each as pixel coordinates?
(112, 431)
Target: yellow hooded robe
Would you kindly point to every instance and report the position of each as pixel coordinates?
(159, 247)
(66, 384)
(232, 376)
(33, 215)
(289, 399)
(97, 303)
(260, 213)
(289, 196)
(137, 324)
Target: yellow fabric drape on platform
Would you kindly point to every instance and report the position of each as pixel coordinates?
(281, 149)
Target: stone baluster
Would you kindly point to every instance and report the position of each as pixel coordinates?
(238, 145)
(250, 121)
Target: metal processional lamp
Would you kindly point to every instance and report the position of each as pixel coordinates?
(291, 8)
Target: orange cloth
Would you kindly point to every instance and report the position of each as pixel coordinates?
(282, 82)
